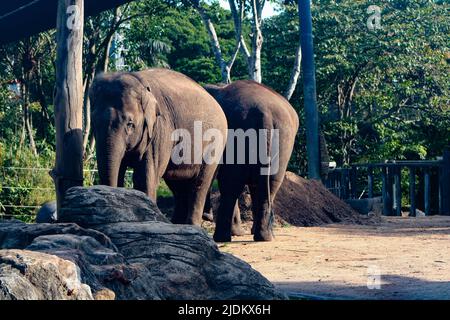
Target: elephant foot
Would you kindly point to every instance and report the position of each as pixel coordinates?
(221, 237)
(253, 229)
(237, 230)
(208, 216)
(263, 235)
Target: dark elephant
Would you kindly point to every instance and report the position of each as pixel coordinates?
(135, 114)
(250, 105)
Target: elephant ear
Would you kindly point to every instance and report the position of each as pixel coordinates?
(149, 110)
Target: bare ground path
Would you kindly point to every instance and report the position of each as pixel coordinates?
(412, 256)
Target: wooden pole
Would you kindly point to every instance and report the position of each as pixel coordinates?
(412, 191)
(398, 190)
(68, 170)
(445, 192)
(427, 192)
(370, 182)
(309, 89)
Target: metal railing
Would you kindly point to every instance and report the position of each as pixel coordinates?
(433, 187)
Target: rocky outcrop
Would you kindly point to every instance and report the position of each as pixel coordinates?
(123, 248)
(91, 207)
(35, 276)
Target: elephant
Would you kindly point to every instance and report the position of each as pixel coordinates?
(250, 105)
(134, 118)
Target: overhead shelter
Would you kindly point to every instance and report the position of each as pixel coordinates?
(23, 18)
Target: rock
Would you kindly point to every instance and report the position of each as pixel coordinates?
(28, 275)
(98, 205)
(47, 213)
(19, 235)
(104, 269)
(133, 253)
(367, 205)
(420, 213)
(185, 263)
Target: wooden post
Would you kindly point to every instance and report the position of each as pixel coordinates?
(68, 171)
(398, 190)
(427, 192)
(412, 191)
(370, 182)
(445, 192)
(387, 191)
(353, 173)
(344, 184)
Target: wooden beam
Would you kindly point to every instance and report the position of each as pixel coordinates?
(68, 171)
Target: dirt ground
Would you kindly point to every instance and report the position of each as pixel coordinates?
(410, 256)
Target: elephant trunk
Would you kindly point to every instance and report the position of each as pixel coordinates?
(109, 158)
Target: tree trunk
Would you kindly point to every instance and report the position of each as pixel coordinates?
(28, 126)
(295, 74)
(214, 40)
(309, 89)
(87, 111)
(68, 171)
(257, 41)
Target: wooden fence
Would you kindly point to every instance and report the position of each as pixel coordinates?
(433, 188)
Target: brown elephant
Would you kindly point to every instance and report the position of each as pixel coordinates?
(249, 105)
(134, 117)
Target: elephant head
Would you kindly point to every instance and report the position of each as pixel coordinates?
(123, 117)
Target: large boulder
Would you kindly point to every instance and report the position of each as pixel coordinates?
(124, 249)
(98, 205)
(28, 275)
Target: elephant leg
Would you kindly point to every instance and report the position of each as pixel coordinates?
(262, 209)
(198, 191)
(122, 172)
(180, 192)
(208, 214)
(145, 179)
(236, 228)
(230, 186)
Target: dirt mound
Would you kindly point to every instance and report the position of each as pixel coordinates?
(299, 202)
(302, 202)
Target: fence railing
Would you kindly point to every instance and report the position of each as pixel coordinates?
(24, 190)
(427, 180)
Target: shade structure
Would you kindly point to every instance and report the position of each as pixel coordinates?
(23, 18)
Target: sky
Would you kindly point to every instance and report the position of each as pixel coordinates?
(269, 9)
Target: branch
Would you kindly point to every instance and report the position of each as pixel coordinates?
(295, 74)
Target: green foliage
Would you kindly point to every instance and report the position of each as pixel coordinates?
(180, 28)
(382, 94)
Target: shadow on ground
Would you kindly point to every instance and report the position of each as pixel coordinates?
(397, 227)
(411, 288)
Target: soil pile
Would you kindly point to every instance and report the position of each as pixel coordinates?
(302, 202)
